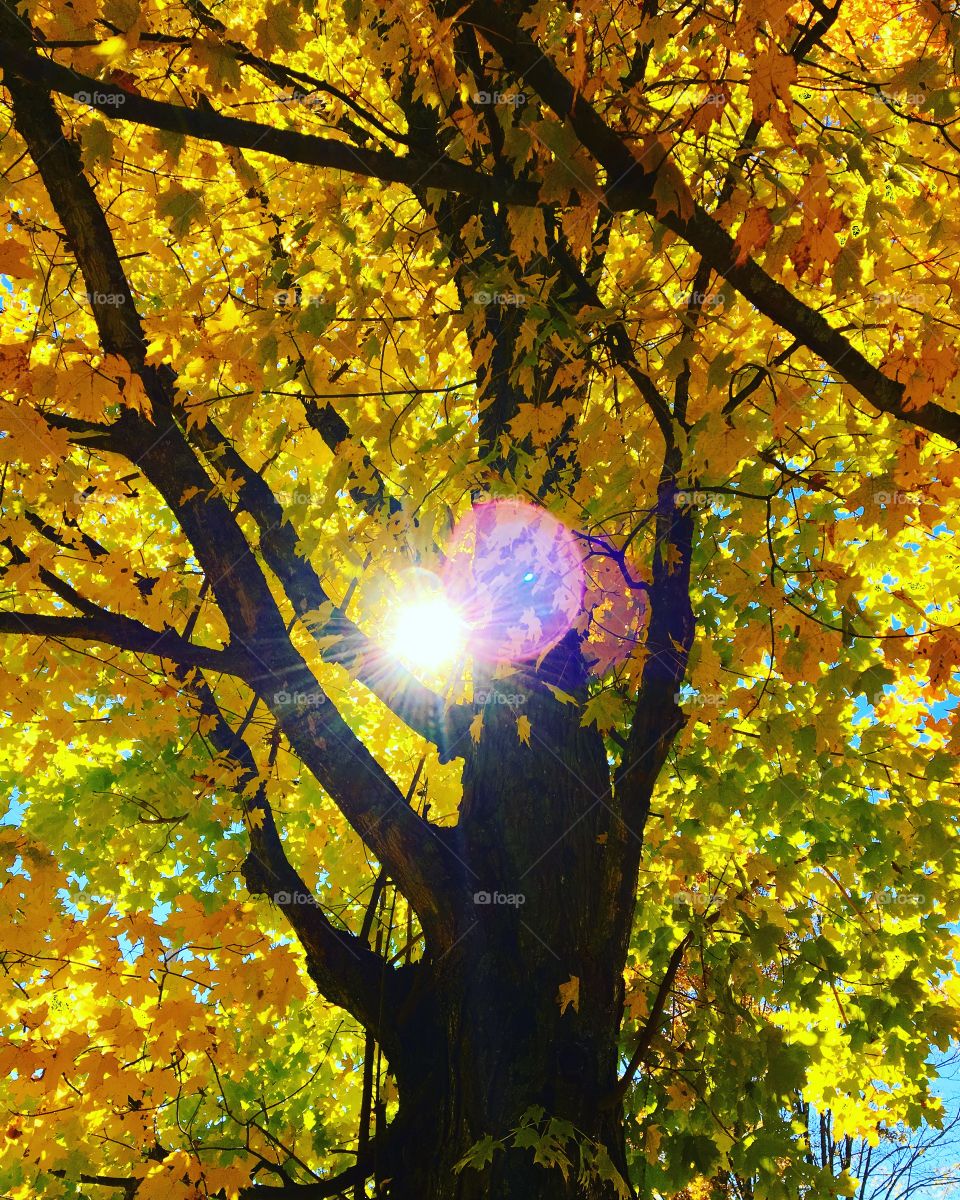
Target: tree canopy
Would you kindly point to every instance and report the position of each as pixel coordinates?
(289, 292)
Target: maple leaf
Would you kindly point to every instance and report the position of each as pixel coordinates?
(568, 995)
(651, 1143)
(753, 234)
(14, 260)
(523, 729)
(681, 1096)
(772, 76)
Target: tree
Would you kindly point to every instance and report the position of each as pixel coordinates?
(900, 1163)
(891, 1162)
(296, 294)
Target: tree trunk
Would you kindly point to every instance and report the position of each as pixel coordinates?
(547, 873)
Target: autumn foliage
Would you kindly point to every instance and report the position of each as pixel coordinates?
(288, 292)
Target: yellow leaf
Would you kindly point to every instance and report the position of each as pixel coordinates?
(523, 730)
(14, 260)
(753, 234)
(569, 994)
(651, 1143)
(255, 818)
(113, 47)
(681, 1096)
(229, 317)
(476, 727)
(529, 234)
(770, 82)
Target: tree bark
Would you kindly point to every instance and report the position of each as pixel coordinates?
(545, 868)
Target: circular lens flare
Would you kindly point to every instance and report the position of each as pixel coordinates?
(428, 632)
(516, 574)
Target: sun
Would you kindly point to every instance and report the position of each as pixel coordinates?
(428, 633)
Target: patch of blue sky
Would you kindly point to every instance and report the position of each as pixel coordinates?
(15, 808)
(17, 867)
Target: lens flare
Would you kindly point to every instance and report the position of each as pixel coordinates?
(516, 574)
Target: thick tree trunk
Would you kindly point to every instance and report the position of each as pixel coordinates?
(547, 875)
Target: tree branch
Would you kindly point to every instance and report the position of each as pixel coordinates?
(413, 169)
(123, 633)
(651, 1026)
(415, 704)
(657, 717)
(343, 765)
(321, 1189)
(629, 187)
(343, 966)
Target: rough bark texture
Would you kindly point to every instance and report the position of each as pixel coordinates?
(484, 1038)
